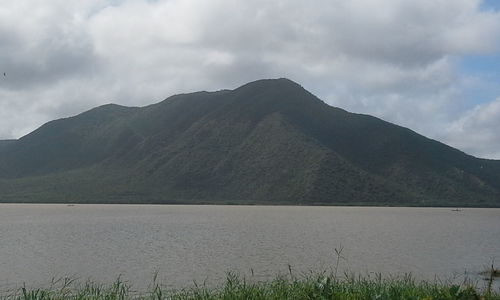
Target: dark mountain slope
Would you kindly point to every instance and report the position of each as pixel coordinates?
(69, 143)
(5, 143)
(269, 141)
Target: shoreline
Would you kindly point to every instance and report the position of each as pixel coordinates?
(453, 208)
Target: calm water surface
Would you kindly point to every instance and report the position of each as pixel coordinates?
(201, 243)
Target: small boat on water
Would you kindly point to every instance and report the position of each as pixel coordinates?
(456, 209)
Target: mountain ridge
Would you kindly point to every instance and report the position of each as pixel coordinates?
(269, 141)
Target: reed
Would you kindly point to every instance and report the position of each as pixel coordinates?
(318, 286)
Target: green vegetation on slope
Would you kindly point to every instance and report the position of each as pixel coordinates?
(267, 142)
(313, 287)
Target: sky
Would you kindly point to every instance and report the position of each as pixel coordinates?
(430, 65)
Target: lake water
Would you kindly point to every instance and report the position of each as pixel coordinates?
(201, 243)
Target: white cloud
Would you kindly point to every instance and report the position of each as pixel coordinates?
(478, 130)
(42, 43)
(395, 59)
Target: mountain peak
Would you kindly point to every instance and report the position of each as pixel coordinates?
(272, 94)
(271, 83)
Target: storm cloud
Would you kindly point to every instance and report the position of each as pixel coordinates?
(398, 60)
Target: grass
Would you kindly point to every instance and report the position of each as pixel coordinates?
(320, 286)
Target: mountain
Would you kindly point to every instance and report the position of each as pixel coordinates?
(267, 142)
(4, 143)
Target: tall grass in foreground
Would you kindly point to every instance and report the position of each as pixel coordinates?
(289, 287)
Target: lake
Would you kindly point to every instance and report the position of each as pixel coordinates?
(184, 244)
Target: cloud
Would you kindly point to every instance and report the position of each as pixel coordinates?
(394, 59)
(42, 44)
(477, 130)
